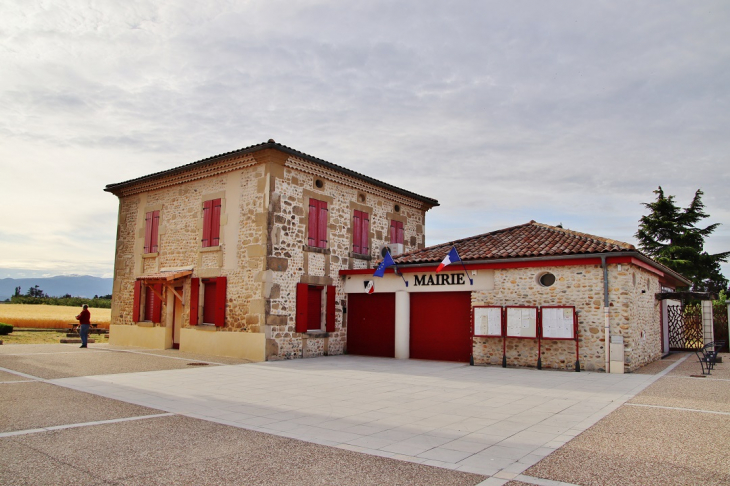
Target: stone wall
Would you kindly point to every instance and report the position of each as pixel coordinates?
(631, 312)
(290, 192)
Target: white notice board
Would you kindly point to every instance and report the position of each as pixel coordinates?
(522, 322)
(488, 321)
(558, 323)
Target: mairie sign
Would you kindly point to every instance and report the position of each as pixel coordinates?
(439, 279)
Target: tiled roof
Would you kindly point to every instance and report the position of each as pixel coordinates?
(526, 240)
(271, 144)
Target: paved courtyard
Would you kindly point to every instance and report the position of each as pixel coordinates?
(474, 419)
(112, 415)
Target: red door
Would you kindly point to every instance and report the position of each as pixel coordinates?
(441, 326)
(371, 324)
(209, 302)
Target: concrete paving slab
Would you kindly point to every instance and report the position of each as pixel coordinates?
(37, 405)
(181, 450)
(409, 407)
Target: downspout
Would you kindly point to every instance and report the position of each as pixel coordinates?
(606, 318)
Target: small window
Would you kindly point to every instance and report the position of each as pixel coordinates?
(396, 232)
(151, 231)
(319, 183)
(317, 223)
(360, 232)
(546, 279)
(211, 223)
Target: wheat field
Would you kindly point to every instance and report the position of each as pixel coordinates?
(49, 316)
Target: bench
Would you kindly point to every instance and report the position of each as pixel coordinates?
(707, 355)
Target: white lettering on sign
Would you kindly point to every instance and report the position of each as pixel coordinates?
(439, 279)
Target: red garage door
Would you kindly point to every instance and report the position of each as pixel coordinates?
(440, 326)
(371, 324)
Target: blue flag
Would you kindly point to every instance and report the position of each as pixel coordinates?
(387, 262)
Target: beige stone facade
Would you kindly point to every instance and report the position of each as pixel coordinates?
(634, 314)
(263, 252)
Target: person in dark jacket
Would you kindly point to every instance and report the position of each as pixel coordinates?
(84, 322)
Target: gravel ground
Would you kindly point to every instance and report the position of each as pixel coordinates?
(5, 376)
(27, 406)
(644, 446)
(685, 392)
(51, 361)
(182, 450)
(692, 367)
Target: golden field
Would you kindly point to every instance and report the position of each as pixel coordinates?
(49, 316)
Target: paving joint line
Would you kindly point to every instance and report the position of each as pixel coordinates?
(678, 408)
(83, 424)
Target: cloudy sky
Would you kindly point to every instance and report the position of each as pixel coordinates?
(561, 112)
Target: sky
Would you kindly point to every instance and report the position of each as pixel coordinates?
(505, 112)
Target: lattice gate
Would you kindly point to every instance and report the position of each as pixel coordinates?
(685, 327)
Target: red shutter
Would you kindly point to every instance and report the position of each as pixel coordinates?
(215, 225)
(154, 246)
(220, 301)
(331, 294)
(365, 232)
(194, 296)
(302, 301)
(156, 304)
(313, 214)
(135, 304)
(207, 216)
(148, 233)
(322, 224)
(399, 232)
(357, 232)
(393, 232)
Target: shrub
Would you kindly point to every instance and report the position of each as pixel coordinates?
(5, 329)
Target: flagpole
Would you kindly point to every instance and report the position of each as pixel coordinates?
(395, 270)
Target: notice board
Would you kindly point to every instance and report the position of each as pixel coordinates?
(488, 321)
(558, 322)
(522, 322)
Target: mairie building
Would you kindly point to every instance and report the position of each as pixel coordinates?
(240, 254)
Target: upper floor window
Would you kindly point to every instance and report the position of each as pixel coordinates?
(396, 232)
(360, 232)
(211, 223)
(317, 223)
(151, 231)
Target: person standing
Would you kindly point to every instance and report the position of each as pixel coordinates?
(84, 322)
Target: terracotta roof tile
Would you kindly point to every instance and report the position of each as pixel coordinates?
(527, 240)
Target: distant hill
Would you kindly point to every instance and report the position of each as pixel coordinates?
(76, 285)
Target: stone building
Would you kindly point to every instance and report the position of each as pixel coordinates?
(530, 295)
(239, 254)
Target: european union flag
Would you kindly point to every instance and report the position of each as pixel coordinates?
(387, 262)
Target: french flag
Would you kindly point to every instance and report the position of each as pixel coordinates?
(452, 257)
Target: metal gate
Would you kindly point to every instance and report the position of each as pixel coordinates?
(719, 322)
(685, 327)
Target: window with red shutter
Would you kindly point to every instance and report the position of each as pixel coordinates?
(151, 231)
(396, 232)
(211, 223)
(360, 232)
(317, 231)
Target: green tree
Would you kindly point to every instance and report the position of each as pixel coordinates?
(670, 236)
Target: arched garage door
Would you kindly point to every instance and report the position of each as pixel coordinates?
(371, 324)
(441, 326)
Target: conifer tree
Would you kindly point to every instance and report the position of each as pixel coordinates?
(670, 236)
